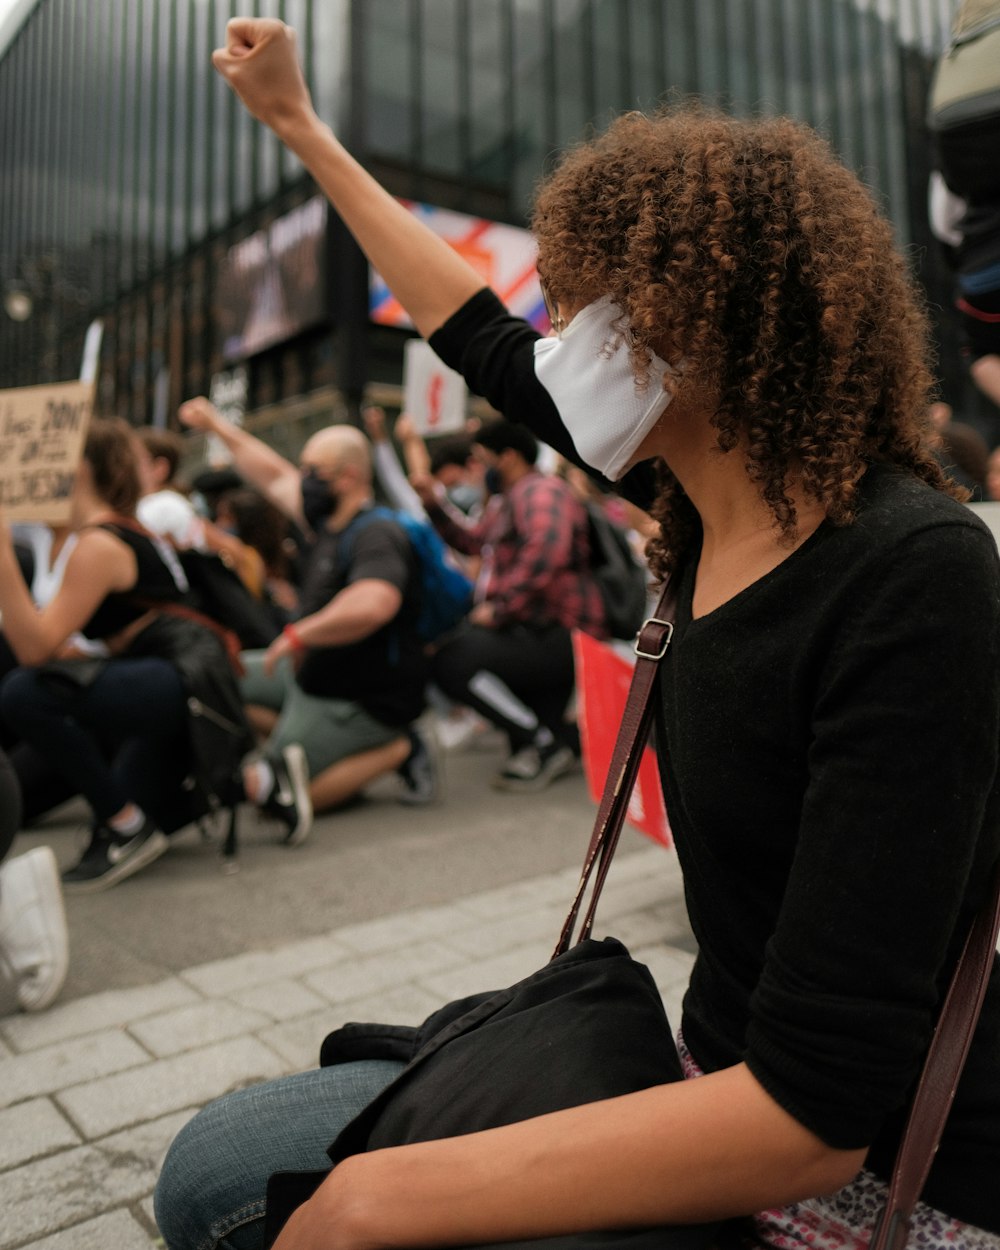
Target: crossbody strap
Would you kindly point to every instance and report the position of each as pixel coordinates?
(963, 1003)
(942, 1069)
(633, 732)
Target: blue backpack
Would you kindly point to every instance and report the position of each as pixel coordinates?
(445, 591)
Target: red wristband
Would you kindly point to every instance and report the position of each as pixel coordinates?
(292, 634)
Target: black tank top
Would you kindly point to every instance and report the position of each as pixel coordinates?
(155, 583)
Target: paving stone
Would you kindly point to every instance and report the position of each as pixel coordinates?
(5, 1050)
(188, 1028)
(279, 1000)
(621, 897)
(116, 1231)
(522, 896)
(32, 1129)
(487, 974)
(637, 928)
(221, 977)
(406, 1004)
(95, 1013)
(187, 1080)
(639, 864)
(298, 1041)
(487, 938)
(362, 977)
(68, 1063)
(148, 1209)
(145, 1144)
(390, 932)
(51, 1194)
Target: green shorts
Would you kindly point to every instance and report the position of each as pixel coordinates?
(328, 729)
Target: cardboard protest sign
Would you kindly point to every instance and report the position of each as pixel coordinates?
(602, 682)
(433, 394)
(42, 429)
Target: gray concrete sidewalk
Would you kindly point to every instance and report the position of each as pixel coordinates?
(92, 1091)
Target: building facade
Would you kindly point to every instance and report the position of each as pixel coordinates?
(135, 189)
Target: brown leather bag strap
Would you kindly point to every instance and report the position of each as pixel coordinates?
(650, 647)
(939, 1079)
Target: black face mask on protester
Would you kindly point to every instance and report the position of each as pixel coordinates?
(319, 501)
(493, 481)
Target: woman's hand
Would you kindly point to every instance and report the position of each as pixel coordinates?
(261, 65)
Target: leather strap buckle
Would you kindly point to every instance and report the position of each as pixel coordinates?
(654, 655)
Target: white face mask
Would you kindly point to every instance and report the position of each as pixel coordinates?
(588, 374)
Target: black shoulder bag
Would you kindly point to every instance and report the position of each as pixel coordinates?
(590, 1025)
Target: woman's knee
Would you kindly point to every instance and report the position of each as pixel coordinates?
(23, 696)
(213, 1185)
(202, 1194)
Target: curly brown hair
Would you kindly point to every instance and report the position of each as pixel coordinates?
(745, 249)
(110, 450)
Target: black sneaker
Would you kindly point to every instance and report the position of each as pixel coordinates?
(111, 858)
(289, 800)
(533, 768)
(419, 772)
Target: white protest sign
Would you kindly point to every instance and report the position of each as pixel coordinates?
(228, 393)
(42, 429)
(433, 394)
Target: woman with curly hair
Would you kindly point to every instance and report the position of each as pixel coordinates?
(737, 348)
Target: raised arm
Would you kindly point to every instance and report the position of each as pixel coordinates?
(276, 478)
(428, 277)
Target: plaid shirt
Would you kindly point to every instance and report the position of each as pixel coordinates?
(535, 547)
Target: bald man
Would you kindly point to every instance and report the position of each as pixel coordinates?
(338, 691)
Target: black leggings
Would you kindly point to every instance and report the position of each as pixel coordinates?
(138, 705)
(520, 678)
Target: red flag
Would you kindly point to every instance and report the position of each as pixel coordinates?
(602, 682)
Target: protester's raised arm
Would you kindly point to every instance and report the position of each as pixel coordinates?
(266, 470)
(428, 277)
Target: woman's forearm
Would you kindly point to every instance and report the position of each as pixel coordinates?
(428, 277)
(693, 1151)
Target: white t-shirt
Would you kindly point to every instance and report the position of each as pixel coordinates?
(170, 515)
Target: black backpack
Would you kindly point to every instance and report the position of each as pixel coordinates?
(217, 591)
(620, 577)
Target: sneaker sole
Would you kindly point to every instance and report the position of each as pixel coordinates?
(295, 759)
(45, 875)
(532, 785)
(151, 849)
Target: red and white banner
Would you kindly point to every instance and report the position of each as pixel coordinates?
(602, 681)
(504, 256)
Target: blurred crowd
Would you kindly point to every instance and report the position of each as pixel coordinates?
(282, 635)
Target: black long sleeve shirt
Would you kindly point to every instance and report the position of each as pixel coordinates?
(829, 743)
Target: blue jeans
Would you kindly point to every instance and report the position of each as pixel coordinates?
(212, 1188)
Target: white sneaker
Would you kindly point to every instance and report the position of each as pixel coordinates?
(531, 769)
(459, 728)
(33, 939)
